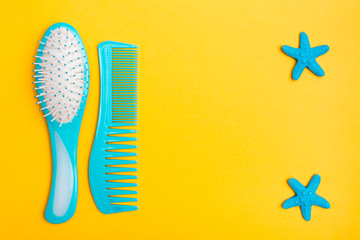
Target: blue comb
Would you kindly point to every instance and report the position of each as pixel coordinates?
(109, 171)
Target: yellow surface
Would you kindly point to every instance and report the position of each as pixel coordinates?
(222, 126)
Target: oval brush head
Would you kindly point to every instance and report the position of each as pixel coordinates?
(62, 81)
(61, 74)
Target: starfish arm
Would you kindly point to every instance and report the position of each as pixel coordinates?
(296, 186)
(304, 41)
(320, 50)
(306, 212)
(314, 183)
(315, 68)
(321, 202)
(298, 69)
(290, 51)
(291, 202)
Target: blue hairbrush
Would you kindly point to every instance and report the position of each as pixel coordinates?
(62, 82)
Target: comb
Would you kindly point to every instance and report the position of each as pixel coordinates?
(112, 154)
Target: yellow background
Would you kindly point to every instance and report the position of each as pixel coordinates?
(222, 125)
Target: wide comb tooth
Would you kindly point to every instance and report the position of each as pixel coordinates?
(119, 169)
(122, 124)
(121, 185)
(121, 199)
(119, 154)
(120, 139)
(112, 192)
(122, 208)
(119, 177)
(119, 162)
(112, 131)
(119, 146)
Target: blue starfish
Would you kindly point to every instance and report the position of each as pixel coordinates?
(305, 56)
(305, 197)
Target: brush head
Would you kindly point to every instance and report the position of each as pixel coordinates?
(61, 74)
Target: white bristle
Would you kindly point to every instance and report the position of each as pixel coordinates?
(60, 75)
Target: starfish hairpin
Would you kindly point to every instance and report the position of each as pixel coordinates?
(305, 56)
(305, 197)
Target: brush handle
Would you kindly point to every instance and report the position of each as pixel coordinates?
(64, 188)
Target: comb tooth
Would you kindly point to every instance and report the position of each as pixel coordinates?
(119, 162)
(119, 177)
(119, 105)
(120, 131)
(119, 90)
(122, 208)
(119, 139)
(114, 93)
(126, 112)
(119, 169)
(132, 68)
(122, 124)
(122, 114)
(132, 105)
(119, 77)
(120, 154)
(127, 101)
(121, 199)
(112, 192)
(133, 95)
(118, 117)
(118, 72)
(124, 75)
(121, 82)
(122, 107)
(126, 61)
(131, 74)
(119, 146)
(123, 54)
(120, 185)
(119, 97)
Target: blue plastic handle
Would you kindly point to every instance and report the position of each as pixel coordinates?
(64, 188)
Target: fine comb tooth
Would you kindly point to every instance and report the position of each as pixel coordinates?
(120, 102)
(119, 177)
(120, 93)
